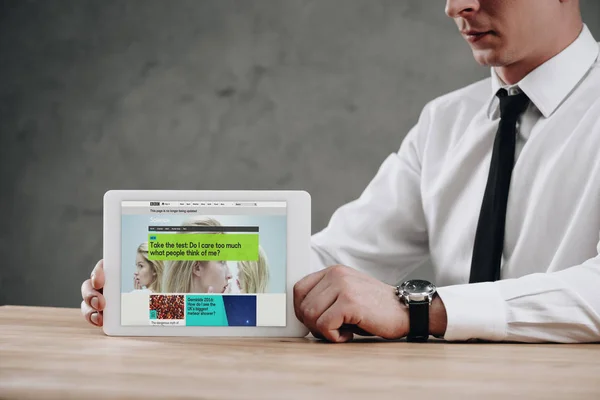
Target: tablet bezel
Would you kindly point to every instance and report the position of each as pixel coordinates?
(298, 259)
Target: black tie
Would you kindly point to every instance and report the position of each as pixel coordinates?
(489, 239)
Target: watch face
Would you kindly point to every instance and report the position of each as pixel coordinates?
(418, 286)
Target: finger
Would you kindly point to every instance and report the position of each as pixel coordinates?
(331, 323)
(317, 335)
(319, 299)
(98, 275)
(356, 330)
(92, 316)
(314, 296)
(210, 289)
(304, 285)
(346, 334)
(91, 296)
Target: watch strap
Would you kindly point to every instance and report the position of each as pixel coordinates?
(418, 312)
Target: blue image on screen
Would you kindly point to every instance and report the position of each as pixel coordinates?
(240, 310)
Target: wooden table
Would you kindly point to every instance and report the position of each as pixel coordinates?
(54, 353)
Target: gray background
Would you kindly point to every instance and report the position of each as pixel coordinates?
(221, 94)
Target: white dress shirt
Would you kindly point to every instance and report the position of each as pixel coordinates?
(425, 201)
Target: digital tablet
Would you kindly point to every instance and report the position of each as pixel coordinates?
(204, 263)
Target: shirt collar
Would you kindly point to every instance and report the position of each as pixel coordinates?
(550, 84)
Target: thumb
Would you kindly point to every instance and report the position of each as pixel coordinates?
(98, 275)
(210, 289)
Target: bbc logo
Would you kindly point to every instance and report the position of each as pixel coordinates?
(154, 203)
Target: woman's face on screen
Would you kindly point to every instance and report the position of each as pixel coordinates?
(239, 282)
(213, 274)
(143, 271)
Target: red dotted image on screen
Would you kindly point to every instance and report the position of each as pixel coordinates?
(168, 306)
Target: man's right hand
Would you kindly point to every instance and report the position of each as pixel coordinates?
(93, 301)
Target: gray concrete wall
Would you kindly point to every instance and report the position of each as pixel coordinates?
(221, 94)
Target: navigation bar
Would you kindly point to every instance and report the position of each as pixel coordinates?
(197, 228)
(196, 204)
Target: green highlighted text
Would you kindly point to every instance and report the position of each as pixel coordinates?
(203, 247)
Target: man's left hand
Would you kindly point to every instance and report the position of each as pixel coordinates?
(339, 301)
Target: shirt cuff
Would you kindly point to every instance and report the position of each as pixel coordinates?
(475, 311)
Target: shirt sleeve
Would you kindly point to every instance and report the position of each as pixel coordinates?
(382, 233)
(559, 307)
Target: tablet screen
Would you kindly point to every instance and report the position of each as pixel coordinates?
(203, 263)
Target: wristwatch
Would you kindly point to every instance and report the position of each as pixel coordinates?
(417, 294)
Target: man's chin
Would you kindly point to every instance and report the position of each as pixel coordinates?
(488, 57)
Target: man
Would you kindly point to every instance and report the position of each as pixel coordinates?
(498, 183)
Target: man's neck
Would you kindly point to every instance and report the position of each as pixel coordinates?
(515, 72)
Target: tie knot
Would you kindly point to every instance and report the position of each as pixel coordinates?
(512, 107)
